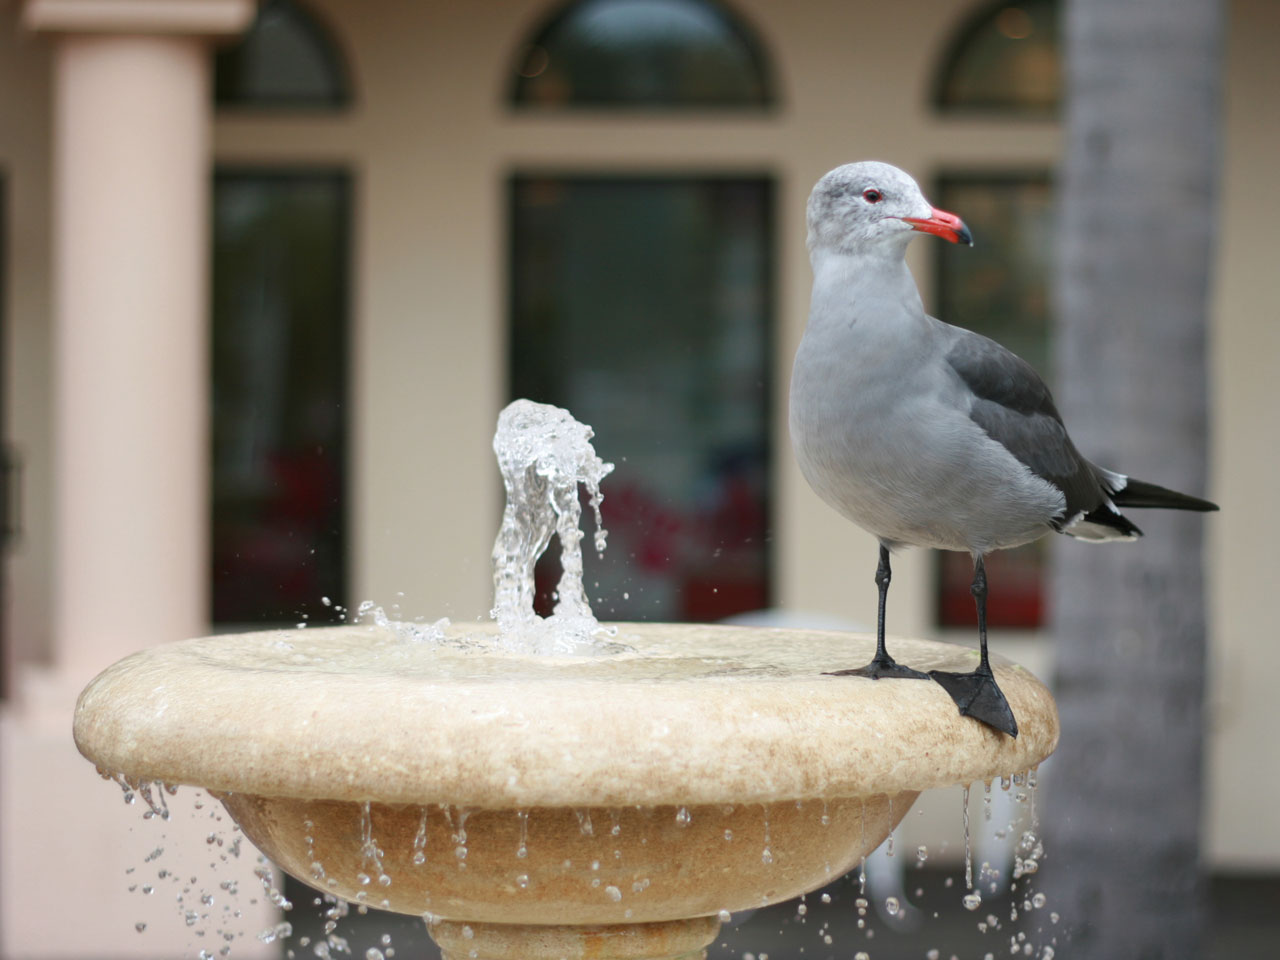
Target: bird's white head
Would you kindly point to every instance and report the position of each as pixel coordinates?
(869, 206)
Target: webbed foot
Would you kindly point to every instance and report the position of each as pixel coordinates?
(977, 696)
(881, 668)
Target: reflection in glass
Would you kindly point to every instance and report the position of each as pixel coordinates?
(285, 59)
(998, 288)
(646, 53)
(1007, 58)
(279, 385)
(643, 306)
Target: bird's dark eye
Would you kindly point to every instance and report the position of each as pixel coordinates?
(872, 195)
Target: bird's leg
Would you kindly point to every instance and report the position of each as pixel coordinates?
(882, 665)
(976, 693)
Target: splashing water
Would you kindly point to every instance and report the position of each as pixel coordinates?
(544, 454)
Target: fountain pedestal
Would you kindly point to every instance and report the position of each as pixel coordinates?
(555, 807)
(671, 940)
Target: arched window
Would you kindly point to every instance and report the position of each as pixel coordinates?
(287, 59)
(642, 53)
(1004, 59)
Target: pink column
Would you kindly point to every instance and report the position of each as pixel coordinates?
(130, 184)
(131, 124)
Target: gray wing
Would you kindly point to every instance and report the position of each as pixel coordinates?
(1013, 405)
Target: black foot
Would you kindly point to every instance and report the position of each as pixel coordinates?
(881, 669)
(977, 696)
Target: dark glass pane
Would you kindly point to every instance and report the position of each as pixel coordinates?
(648, 53)
(279, 386)
(643, 306)
(1006, 58)
(998, 288)
(285, 59)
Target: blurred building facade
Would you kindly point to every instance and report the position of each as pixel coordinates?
(270, 271)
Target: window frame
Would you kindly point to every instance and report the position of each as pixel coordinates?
(345, 180)
(969, 27)
(734, 20)
(1029, 174)
(769, 281)
(328, 43)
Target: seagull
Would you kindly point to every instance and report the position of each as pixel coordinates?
(930, 435)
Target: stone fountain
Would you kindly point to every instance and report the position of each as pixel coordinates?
(553, 788)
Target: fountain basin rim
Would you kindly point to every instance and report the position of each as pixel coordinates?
(698, 714)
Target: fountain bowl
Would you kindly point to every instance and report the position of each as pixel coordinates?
(608, 806)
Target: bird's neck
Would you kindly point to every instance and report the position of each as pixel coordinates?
(852, 288)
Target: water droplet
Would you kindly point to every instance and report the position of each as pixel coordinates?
(862, 955)
(802, 909)
(728, 834)
(373, 953)
(892, 906)
(1038, 900)
(932, 955)
(724, 916)
(683, 817)
(522, 881)
(826, 898)
(972, 900)
(766, 856)
(613, 893)
(139, 927)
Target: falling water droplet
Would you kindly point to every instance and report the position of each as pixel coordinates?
(724, 916)
(613, 893)
(892, 906)
(420, 840)
(972, 900)
(522, 850)
(968, 850)
(888, 851)
(683, 817)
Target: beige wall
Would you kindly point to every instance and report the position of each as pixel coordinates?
(430, 144)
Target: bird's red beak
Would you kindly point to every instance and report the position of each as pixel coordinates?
(942, 224)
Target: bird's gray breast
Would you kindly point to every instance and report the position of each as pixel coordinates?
(881, 430)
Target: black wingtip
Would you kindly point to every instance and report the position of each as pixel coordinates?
(1139, 493)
